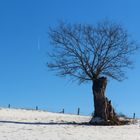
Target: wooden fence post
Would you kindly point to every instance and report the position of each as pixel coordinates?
(63, 111)
(9, 106)
(78, 112)
(134, 116)
(36, 108)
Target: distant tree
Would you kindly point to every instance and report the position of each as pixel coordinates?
(92, 53)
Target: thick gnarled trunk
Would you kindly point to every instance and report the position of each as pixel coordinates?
(102, 106)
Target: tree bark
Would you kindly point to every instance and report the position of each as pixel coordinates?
(102, 106)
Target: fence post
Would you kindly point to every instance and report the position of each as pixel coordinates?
(9, 106)
(78, 112)
(63, 111)
(134, 116)
(36, 108)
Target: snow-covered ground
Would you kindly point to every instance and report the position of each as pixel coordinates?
(20, 124)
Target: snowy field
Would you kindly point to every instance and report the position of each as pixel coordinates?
(20, 124)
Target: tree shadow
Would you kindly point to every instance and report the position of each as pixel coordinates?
(45, 123)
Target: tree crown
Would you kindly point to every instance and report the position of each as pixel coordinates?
(87, 52)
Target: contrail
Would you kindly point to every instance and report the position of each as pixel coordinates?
(38, 44)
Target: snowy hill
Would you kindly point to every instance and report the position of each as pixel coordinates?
(21, 124)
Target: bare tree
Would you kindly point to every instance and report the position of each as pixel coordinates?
(92, 53)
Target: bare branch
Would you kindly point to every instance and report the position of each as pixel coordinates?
(88, 52)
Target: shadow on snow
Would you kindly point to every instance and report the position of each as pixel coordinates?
(45, 123)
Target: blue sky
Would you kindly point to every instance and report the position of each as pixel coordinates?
(24, 78)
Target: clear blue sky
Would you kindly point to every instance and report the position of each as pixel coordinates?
(24, 78)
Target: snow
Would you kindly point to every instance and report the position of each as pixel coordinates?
(21, 124)
(97, 120)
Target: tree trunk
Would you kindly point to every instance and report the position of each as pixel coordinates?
(103, 109)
